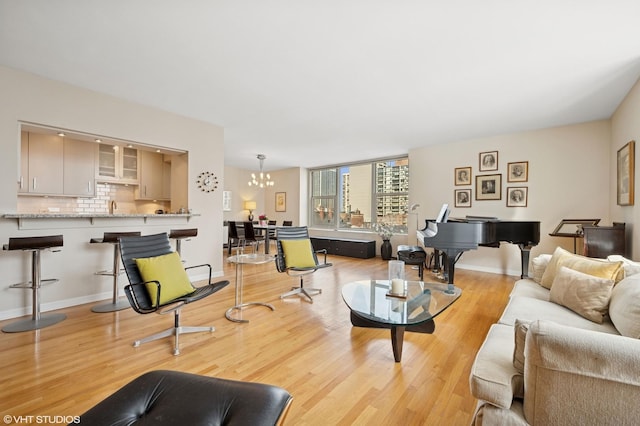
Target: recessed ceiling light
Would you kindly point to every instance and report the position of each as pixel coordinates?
(61, 134)
(98, 140)
(157, 150)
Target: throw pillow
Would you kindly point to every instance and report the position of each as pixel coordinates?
(630, 267)
(520, 328)
(587, 265)
(168, 270)
(298, 253)
(624, 307)
(584, 294)
(538, 266)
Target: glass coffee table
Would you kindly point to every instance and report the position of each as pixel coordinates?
(371, 307)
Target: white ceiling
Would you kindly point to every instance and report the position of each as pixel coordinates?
(311, 83)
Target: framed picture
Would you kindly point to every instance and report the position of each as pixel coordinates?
(281, 201)
(626, 165)
(488, 161)
(463, 176)
(489, 187)
(462, 197)
(226, 201)
(518, 171)
(573, 227)
(517, 196)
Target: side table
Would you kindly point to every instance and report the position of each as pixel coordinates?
(240, 260)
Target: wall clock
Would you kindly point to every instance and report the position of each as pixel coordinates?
(207, 182)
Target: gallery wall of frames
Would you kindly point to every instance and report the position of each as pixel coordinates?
(488, 182)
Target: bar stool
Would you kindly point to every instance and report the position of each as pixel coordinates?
(35, 245)
(113, 238)
(413, 255)
(182, 234)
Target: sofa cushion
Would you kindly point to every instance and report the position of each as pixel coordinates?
(624, 307)
(493, 377)
(528, 288)
(528, 309)
(520, 334)
(584, 294)
(538, 266)
(595, 267)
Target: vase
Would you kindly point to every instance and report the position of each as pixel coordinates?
(386, 250)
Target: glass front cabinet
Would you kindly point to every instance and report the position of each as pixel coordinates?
(117, 164)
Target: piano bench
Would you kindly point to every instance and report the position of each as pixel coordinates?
(413, 255)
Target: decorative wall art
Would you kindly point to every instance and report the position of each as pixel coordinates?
(463, 176)
(489, 187)
(281, 201)
(462, 197)
(226, 201)
(488, 161)
(518, 171)
(517, 196)
(626, 165)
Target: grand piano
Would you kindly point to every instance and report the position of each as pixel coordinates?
(456, 236)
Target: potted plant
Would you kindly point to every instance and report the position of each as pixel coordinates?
(263, 219)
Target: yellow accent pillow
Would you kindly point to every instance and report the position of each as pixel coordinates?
(597, 268)
(298, 253)
(168, 270)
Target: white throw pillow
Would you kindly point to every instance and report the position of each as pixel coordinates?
(630, 267)
(538, 266)
(584, 294)
(624, 307)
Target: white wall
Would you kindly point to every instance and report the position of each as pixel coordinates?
(569, 171)
(625, 127)
(286, 180)
(31, 98)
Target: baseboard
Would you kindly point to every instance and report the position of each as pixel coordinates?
(66, 303)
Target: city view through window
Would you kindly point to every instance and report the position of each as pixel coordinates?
(366, 196)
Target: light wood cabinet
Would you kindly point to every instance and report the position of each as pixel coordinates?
(155, 177)
(117, 164)
(42, 164)
(79, 168)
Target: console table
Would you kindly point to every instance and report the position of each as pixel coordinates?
(363, 249)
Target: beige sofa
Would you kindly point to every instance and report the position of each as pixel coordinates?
(566, 350)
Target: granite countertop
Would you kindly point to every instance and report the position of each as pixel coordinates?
(91, 215)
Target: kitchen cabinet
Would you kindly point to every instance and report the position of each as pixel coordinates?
(155, 177)
(42, 163)
(118, 164)
(79, 168)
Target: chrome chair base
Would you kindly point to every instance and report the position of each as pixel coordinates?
(305, 291)
(30, 324)
(173, 331)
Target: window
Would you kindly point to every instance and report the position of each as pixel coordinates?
(364, 194)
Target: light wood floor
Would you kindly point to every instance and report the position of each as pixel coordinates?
(337, 374)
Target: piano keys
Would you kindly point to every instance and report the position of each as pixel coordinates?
(456, 236)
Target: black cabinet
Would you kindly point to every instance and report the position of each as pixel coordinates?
(363, 249)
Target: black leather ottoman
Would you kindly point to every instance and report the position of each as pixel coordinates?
(177, 398)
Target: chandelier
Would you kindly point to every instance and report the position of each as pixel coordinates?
(262, 179)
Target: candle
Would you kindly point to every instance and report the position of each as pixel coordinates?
(397, 286)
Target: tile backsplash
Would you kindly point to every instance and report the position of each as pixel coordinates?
(123, 196)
